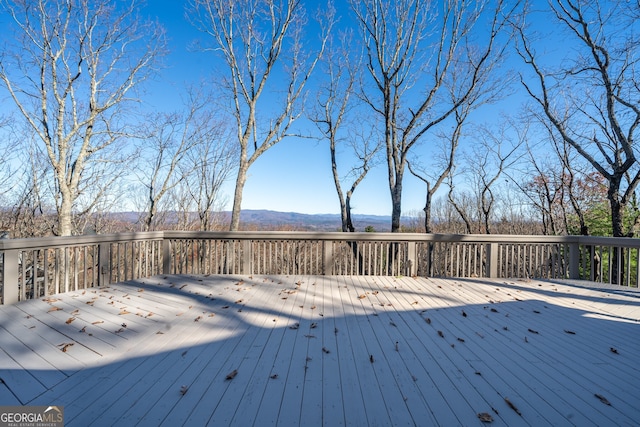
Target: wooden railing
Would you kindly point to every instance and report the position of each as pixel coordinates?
(33, 268)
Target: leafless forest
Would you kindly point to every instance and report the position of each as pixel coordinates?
(507, 132)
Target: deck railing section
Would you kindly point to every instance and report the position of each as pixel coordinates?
(34, 268)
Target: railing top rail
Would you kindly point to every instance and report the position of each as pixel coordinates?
(55, 242)
(401, 237)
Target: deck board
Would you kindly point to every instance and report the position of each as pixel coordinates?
(367, 350)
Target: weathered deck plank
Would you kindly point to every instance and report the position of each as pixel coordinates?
(349, 350)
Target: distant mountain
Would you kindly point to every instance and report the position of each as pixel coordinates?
(274, 220)
(265, 219)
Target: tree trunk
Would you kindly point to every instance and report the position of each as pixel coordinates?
(396, 203)
(237, 196)
(64, 215)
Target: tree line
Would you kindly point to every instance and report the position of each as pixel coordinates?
(410, 86)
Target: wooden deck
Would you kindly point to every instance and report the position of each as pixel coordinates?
(327, 351)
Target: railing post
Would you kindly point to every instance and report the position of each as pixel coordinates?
(10, 277)
(104, 264)
(166, 256)
(574, 260)
(327, 257)
(247, 257)
(492, 260)
(411, 259)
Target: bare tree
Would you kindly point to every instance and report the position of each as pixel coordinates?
(336, 116)
(71, 74)
(415, 49)
(267, 67)
(211, 161)
(168, 146)
(591, 98)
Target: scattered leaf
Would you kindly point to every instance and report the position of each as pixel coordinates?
(461, 339)
(159, 333)
(123, 312)
(335, 331)
(441, 334)
(183, 390)
(274, 376)
(493, 310)
(485, 417)
(120, 331)
(393, 324)
(294, 326)
(239, 301)
(428, 320)
(197, 319)
(533, 331)
(324, 349)
(97, 322)
(54, 308)
(83, 330)
(569, 332)
(184, 353)
(371, 358)
(602, 399)
(65, 346)
(310, 336)
(512, 406)
(225, 306)
(231, 375)
(363, 296)
(536, 311)
(124, 325)
(464, 314)
(314, 325)
(613, 350)
(69, 320)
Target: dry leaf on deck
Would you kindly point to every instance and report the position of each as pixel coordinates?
(533, 332)
(371, 358)
(54, 308)
(314, 325)
(363, 296)
(428, 320)
(324, 349)
(613, 350)
(485, 417)
(274, 376)
(294, 326)
(65, 347)
(602, 399)
(569, 332)
(123, 312)
(69, 320)
(183, 390)
(441, 334)
(512, 406)
(231, 375)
